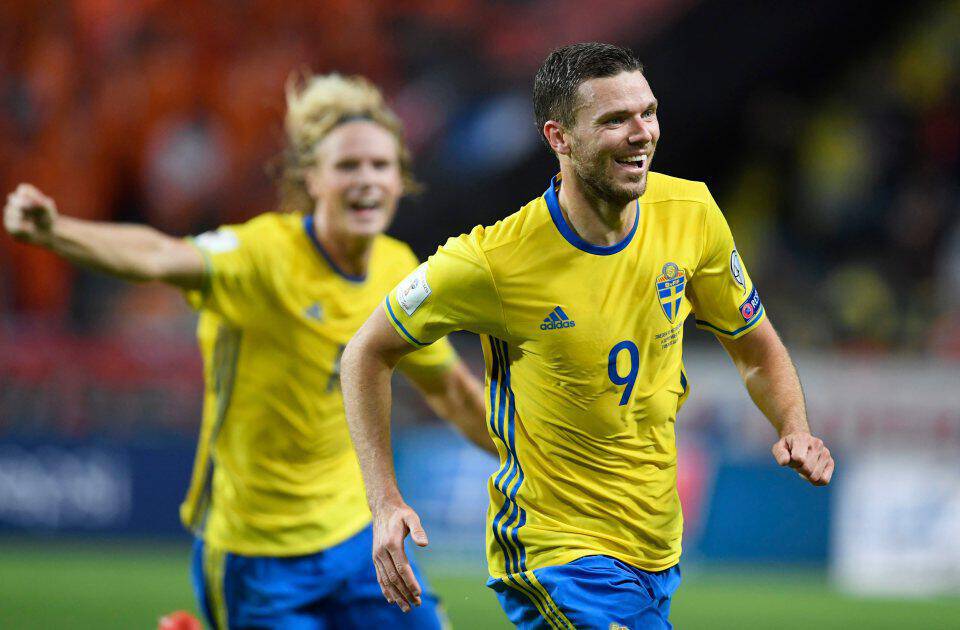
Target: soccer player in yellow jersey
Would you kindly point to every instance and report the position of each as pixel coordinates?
(277, 500)
(580, 299)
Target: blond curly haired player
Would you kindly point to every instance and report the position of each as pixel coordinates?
(276, 498)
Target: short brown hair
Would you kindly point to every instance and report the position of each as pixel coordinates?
(557, 80)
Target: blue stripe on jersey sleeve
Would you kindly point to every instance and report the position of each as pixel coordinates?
(401, 327)
(732, 333)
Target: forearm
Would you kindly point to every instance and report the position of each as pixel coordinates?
(775, 388)
(464, 418)
(770, 377)
(460, 402)
(463, 414)
(125, 251)
(365, 379)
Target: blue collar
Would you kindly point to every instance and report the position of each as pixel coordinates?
(311, 233)
(553, 203)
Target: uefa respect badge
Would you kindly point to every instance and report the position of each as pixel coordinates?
(751, 307)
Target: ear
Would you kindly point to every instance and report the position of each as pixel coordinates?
(557, 137)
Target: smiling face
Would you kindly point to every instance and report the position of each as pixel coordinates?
(613, 136)
(357, 181)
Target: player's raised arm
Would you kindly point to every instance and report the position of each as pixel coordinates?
(130, 252)
(365, 371)
(773, 384)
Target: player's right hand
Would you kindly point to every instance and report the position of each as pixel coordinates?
(29, 215)
(394, 571)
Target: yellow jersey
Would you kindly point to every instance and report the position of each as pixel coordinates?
(275, 472)
(584, 369)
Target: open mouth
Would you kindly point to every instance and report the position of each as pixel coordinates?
(364, 207)
(634, 163)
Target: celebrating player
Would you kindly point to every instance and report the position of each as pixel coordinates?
(276, 498)
(580, 299)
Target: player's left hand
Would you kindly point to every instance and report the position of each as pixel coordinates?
(807, 455)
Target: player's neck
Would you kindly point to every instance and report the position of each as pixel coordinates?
(595, 220)
(350, 253)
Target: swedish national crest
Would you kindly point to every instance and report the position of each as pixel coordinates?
(670, 287)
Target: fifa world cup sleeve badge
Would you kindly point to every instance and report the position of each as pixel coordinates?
(736, 270)
(413, 290)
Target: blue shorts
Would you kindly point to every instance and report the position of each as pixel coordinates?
(591, 592)
(334, 588)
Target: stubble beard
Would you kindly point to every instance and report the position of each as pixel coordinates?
(600, 184)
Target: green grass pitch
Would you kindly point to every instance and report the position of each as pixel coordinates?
(101, 586)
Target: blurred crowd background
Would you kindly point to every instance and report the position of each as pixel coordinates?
(828, 131)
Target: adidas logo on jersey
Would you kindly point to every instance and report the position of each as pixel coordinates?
(314, 312)
(557, 319)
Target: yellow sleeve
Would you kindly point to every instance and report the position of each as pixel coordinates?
(724, 299)
(434, 358)
(453, 290)
(235, 280)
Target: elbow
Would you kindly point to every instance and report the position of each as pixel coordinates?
(750, 373)
(150, 269)
(140, 272)
(358, 351)
(351, 354)
(173, 261)
(351, 380)
(146, 266)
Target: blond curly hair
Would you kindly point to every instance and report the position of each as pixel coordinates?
(317, 104)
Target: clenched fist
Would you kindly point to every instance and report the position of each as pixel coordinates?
(29, 215)
(807, 455)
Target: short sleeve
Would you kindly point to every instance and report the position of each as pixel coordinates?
(234, 284)
(724, 299)
(453, 290)
(435, 357)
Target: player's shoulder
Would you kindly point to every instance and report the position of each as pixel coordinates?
(508, 231)
(393, 248)
(267, 226)
(231, 236)
(661, 187)
(278, 224)
(392, 257)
